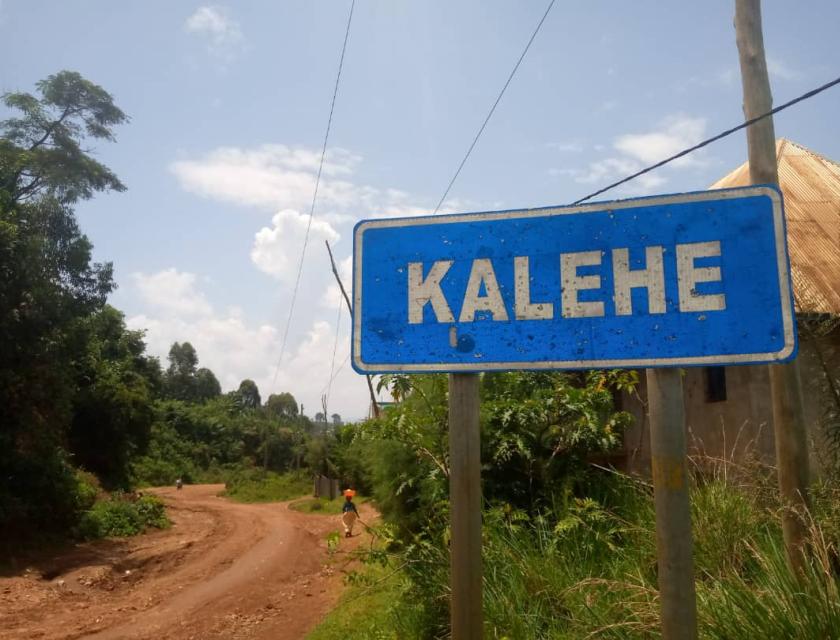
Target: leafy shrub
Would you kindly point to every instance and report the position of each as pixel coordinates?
(152, 512)
(256, 485)
(121, 515)
(87, 490)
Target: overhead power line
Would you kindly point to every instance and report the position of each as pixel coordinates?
(314, 197)
(723, 134)
(495, 104)
(335, 349)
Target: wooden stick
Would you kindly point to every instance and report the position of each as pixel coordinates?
(785, 386)
(674, 543)
(373, 402)
(465, 506)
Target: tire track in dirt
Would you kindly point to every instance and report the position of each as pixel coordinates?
(224, 570)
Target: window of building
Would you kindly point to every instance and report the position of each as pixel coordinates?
(715, 384)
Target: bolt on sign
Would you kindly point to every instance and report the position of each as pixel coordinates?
(676, 280)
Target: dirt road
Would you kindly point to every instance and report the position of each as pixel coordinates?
(224, 570)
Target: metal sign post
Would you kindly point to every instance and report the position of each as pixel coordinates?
(668, 281)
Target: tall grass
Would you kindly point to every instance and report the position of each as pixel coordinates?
(586, 567)
(256, 485)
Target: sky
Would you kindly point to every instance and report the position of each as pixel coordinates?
(229, 102)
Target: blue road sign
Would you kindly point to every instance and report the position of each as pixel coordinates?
(678, 280)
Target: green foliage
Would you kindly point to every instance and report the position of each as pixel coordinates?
(184, 381)
(49, 288)
(113, 405)
(282, 405)
(248, 395)
(123, 515)
(253, 485)
(367, 610)
(775, 603)
(204, 441)
(324, 506)
(569, 550)
(41, 148)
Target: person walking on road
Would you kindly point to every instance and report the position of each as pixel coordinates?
(349, 513)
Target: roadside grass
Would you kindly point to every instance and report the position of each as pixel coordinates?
(586, 568)
(324, 506)
(371, 608)
(256, 485)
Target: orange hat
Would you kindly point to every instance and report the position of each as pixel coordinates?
(349, 493)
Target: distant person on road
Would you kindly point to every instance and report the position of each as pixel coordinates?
(179, 483)
(349, 513)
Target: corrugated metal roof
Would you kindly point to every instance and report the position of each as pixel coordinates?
(811, 187)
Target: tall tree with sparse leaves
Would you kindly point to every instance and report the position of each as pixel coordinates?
(49, 286)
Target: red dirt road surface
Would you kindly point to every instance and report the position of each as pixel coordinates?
(223, 570)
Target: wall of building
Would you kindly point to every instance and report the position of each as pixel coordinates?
(740, 426)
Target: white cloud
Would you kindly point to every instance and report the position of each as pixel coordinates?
(636, 150)
(234, 349)
(223, 34)
(781, 70)
(276, 249)
(172, 291)
(567, 147)
(276, 176)
(677, 133)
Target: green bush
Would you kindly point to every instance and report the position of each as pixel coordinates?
(87, 490)
(256, 485)
(121, 515)
(324, 505)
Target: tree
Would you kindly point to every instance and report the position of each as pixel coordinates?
(336, 419)
(282, 405)
(179, 380)
(113, 407)
(249, 394)
(206, 385)
(42, 150)
(183, 379)
(48, 287)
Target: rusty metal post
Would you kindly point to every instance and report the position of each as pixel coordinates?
(674, 543)
(465, 507)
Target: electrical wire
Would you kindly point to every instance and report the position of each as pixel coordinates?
(314, 197)
(335, 348)
(493, 108)
(723, 134)
(337, 371)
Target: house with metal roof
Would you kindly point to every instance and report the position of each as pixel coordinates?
(729, 412)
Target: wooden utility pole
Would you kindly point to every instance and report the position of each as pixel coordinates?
(785, 386)
(465, 507)
(373, 403)
(674, 543)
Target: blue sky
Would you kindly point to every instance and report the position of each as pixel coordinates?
(228, 104)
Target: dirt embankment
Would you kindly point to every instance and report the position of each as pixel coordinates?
(224, 570)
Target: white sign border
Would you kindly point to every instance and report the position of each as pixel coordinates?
(631, 363)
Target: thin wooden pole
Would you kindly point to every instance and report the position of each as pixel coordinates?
(785, 386)
(373, 402)
(465, 506)
(674, 543)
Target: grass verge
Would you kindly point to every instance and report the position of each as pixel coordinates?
(324, 506)
(366, 609)
(261, 486)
